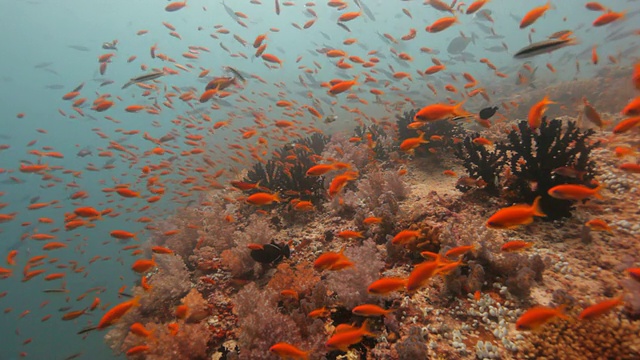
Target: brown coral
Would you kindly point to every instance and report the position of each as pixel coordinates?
(606, 337)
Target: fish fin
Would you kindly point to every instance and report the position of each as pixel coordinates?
(536, 207)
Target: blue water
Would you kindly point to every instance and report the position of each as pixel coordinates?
(50, 47)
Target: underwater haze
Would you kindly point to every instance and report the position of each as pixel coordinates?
(182, 165)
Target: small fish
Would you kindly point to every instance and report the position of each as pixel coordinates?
(386, 285)
(236, 73)
(261, 198)
(537, 316)
(515, 245)
(343, 339)
(370, 310)
(330, 118)
(600, 308)
(142, 78)
(110, 45)
(513, 216)
(288, 351)
(574, 192)
(487, 113)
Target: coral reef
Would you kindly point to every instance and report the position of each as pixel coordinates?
(414, 346)
(262, 325)
(382, 145)
(238, 258)
(340, 149)
(350, 285)
(518, 271)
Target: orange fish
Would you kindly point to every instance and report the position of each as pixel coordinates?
(343, 339)
(372, 220)
(439, 111)
(598, 225)
(630, 167)
(87, 212)
(626, 125)
(634, 273)
(140, 330)
(409, 145)
(350, 234)
(139, 349)
(635, 78)
(161, 250)
(608, 18)
(441, 24)
(348, 16)
(632, 108)
(143, 265)
(537, 111)
(515, 245)
(574, 192)
(320, 169)
(534, 14)
(421, 273)
(288, 351)
(459, 250)
(318, 313)
(122, 235)
(261, 198)
(340, 181)
(175, 6)
(385, 286)
(514, 216)
(475, 6)
(370, 310)
(537, 316)
(405, 237)
(600, 308)
(115, 313)
(342, 86)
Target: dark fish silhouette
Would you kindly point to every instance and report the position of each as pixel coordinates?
(543, 47)
(487, 113)
(271, 253)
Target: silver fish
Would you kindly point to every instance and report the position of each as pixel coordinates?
(143, 78)
(330, 118)
(542, 47)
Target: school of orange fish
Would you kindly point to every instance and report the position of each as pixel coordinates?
(181, 164)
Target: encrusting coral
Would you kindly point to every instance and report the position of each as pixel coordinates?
(606, 337)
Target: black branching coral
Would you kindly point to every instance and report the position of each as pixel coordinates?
(480, 163)
(549, 156)
(533, 161)
(285, 173)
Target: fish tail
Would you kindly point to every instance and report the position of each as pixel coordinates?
(537, 211)
(596, 191)
(365, 328)
(459, 111)
(561, 312)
